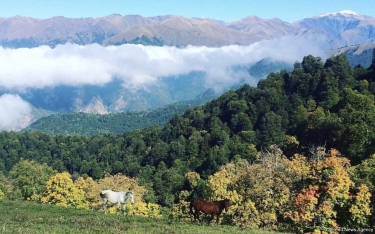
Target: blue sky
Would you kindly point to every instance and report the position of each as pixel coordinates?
(226, 10)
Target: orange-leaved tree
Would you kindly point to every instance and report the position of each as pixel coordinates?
(327, 197)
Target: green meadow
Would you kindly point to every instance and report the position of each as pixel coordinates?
(28, 217)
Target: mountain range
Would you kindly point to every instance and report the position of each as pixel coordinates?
(342, 32)
(341, 29)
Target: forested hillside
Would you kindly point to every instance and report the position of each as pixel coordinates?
(117, 123)
(307, 134)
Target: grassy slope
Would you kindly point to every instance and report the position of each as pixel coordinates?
(28, 217)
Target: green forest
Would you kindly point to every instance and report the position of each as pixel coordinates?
(295, 153)
(117, 123)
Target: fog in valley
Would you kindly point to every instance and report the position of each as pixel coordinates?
(136, 66)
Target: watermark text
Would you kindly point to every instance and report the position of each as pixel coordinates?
(344, 229)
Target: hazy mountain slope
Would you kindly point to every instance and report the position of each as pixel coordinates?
(114, 97)
(356, 54)
(267, 29)
(117, 123)
(265, 66)
(341, 29)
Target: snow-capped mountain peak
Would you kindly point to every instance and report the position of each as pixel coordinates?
(347, 13)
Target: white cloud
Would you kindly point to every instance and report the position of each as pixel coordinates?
(13, 112)
(139, 65)
(136, 65)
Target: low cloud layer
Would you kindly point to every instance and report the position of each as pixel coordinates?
(138, 65)
(14, 112)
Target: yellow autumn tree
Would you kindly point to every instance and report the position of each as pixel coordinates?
(220, 186)
(193, 178)
(61, 191)
(364, 173)
(120, 182)
(360, 209)
(217, 187)
(259, 193)
(91, 191)
(265, 189)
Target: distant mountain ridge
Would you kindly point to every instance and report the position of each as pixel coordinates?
(343, 28)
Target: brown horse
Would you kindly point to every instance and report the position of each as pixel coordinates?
(213, 208)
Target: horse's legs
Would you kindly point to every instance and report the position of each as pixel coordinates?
(212, 217)
(197, 214)
(217, 218)
(124, 208)
(104, 206)
(118, 207)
